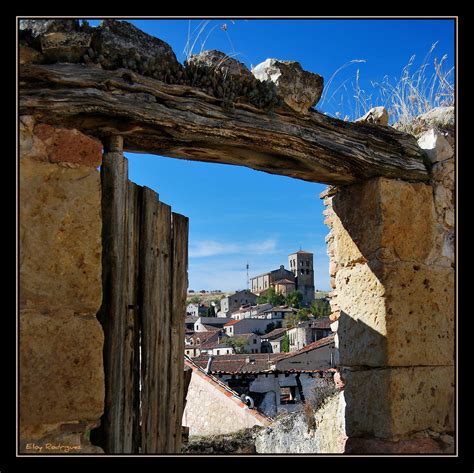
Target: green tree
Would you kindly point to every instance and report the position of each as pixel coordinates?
(211, 312)
(293, 319)
(294, 299)
(285, 343)
(320, 308)
(272, 297)
(194, 300)
(239, 344)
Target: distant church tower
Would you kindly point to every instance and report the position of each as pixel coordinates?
(301, 265)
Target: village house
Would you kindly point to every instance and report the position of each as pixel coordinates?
(235, 301)
(207, 343)
(203, 324)
(189, 322)
(196, 310)
(213, 408)
(275, 383)
(307, 332)
(247, 312)
(238, 327)
(277, 313)
(254, 342)
(272, 341)
(319, 354)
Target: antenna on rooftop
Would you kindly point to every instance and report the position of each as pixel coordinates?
(247, 275)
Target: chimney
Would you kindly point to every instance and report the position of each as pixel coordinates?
(209, 362)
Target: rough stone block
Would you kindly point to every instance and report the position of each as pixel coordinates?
(220, 61)
(121, 44)
(383, 218)
(436, 146)
(376, 447)
(61, 366)
(298, 88)
(31, 147)
(395, 402)
(396, 315)
(69, 146)
(60, 237)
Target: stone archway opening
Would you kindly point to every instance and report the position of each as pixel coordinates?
(389, 208)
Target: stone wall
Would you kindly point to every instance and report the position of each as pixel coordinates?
(320, 431)
(61, 389)
(392, 273)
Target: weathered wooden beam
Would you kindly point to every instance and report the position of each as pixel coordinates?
(184, 122)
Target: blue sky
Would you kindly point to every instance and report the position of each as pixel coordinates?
(238, 215)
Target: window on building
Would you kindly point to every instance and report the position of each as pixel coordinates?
(218, 352)
(254, 341)
(288, 395)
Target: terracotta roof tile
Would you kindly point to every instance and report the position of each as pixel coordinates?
(311, 346)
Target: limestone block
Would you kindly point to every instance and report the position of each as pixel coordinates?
(376, 115)
(400, 314)
(375, 446)
(61, 366)
(69, 146)
(60, 237)
(30, 145)
(220, 61)
(298, 88)
(395, 216)
(392, 403)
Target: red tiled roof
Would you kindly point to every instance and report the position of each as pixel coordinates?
(232, 322)
(211, 328)
(284, 281)
(223, 388)
(278, 332)
(230, 364)
(312, 346)
(203, 338)
(322, 323)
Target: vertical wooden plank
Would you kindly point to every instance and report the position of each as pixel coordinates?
(113, 312)
(131, 366)
(164, 306)
(177, 328)
(155, 281)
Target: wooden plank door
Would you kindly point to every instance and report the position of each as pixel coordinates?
(145, 260)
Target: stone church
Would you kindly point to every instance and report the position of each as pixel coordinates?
(299, 277)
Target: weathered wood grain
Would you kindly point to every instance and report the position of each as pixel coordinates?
(163, 295)
(113, 313)
(131, 362)
(184, 122)
(177, 327)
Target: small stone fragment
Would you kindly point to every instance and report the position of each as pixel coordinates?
(376, 115)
